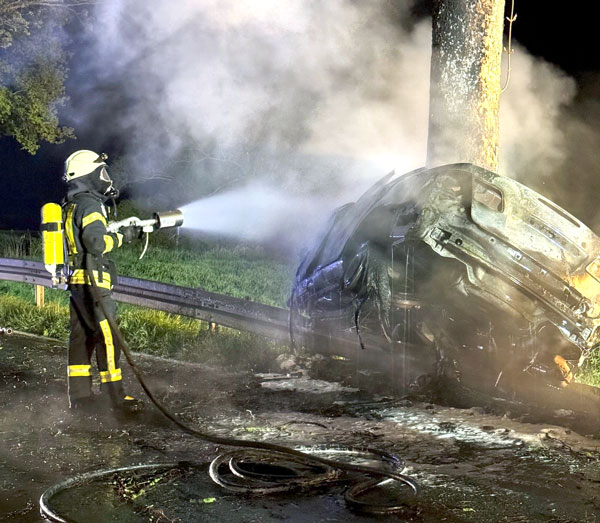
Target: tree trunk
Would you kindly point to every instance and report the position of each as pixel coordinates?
(465, 82)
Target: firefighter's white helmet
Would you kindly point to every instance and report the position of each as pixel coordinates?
(82, 163)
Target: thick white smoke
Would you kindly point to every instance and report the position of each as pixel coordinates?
(331, 78)
(303, 96)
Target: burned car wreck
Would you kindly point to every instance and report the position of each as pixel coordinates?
(452, 272)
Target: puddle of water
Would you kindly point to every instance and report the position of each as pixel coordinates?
(445, 427)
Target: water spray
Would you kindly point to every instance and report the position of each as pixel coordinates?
(159, 220)
(262, 213)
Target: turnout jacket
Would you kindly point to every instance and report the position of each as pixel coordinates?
(85, 216)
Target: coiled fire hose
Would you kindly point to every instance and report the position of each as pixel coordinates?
(289, 468)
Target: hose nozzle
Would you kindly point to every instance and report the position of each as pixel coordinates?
(168, 219)
(159, 220)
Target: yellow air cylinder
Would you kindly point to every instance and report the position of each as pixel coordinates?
(52, 240)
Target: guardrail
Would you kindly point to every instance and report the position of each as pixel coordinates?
(244, 315)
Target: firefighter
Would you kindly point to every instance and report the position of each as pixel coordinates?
(89, 187)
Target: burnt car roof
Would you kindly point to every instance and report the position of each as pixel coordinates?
(345, 220)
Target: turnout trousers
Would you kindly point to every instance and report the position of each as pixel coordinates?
(90, 330)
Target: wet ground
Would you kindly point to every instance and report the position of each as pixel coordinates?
(472, 465)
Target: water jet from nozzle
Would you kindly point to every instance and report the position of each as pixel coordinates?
(260, 213)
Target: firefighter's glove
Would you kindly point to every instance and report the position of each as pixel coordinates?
(131, 232)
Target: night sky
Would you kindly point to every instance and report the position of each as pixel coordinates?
(564, 37)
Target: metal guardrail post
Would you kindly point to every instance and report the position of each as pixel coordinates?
(39, 295)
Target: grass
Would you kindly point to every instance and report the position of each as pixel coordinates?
(590, 374)
(240, 271)
(20, 245)
(21, 314)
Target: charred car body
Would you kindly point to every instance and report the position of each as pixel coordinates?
(453, 271)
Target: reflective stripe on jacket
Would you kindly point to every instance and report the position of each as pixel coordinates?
(85, 228)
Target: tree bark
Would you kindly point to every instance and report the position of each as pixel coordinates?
(465, 82)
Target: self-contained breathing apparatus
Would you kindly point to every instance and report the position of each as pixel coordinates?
(53, 243)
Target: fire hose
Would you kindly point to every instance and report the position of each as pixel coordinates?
(286, 468)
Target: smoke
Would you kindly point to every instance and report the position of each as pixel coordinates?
(289, 101)
(245, 81)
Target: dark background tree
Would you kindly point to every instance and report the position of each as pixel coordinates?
(33, 70)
